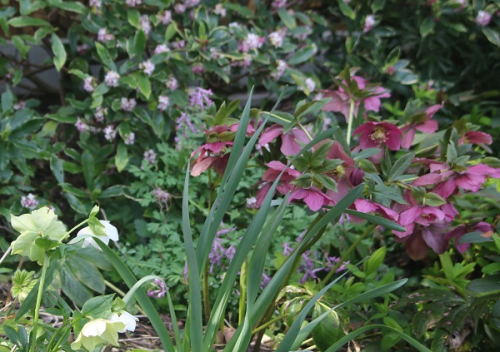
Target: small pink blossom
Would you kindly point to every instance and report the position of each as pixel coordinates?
(191, 3)
(276, 38)
(145, 24)
(369, 23)
(103, 36)
(88, 84)
(220, 10)
(19, 105)
(150, 156)
(128, 104)
(179, 44)
(180, 8)
(148, 67)
(160, 292)
(280, 69)
(162, 196)
(199, 97)
(252, 203)
(483, 18)
(172, 83)
(95, 3)
(163, 102)
(198, 68)
(133, 3)
(165, 17)
(81, 126)
(160, 49)
(111, 79)
(109, 132)
(379, 134)
(99, 113)
(29, 202)
(251, 42)
(129, 139)
(279, 4)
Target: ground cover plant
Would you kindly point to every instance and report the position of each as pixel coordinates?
(279, 175)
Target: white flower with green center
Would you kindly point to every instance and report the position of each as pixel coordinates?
(41, 223)
(105, 233)
(98, 332)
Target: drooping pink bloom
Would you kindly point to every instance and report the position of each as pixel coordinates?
(475, 137)
(314, 198)
(369, 207)
(423, 215)
(379, 134)
(461, 230)
(289, 140)
(423, 238)
(369, 23)
(341, 101)
(425, 125)
(483, 18)
(448, 180)
(29, 202)
(271, 174)
(210, 154)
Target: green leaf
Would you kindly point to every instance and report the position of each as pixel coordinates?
(133, 17)
(475, 237)
(76, 7)
(87, 273)
(376, 259)
(105, 56)
(485, 284)
(242, 10)
(378, 220)
(113, 191)
(59, 52)
(7, 100)
(121, 158)
(171, 31)
(427, 26)
(57, 169)
(378, 5)
(329, 328)
(287, 19)
(25, 21)
(492, 35)
(400, 166)
(88, 169)
(346, 9)
(302, 55)
(76, 204)
(98, 307)
(139, 43)
(144, 85)
(433, 200)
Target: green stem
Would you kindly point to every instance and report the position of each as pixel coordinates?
(344, 257)
(272, 321)
(349, 122)
(5, 254)
(41, 283)
(77, 226)
(306, 132)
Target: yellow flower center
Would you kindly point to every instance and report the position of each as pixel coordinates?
(379, 135)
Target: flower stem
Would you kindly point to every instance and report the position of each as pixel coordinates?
(349, 122)
(41, 283)
(77, 226)
(347, 253)
(272, 321)
(243, 294)
(206, 293)
(305, 131)
(5, 254)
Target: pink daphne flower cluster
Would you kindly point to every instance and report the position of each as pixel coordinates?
(417, 193)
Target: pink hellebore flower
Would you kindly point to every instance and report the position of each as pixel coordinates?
(205, 160)
(314, 198)
(271, 174)
(289, 144)
(475, 137)
(341, 101)
(369, 207)
(424, 238)
(426, 126)
(379, 134)
(449, 180)
(461, 230)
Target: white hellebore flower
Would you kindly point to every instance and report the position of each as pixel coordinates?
(126, 318)
(98, 332)
(111, 234)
